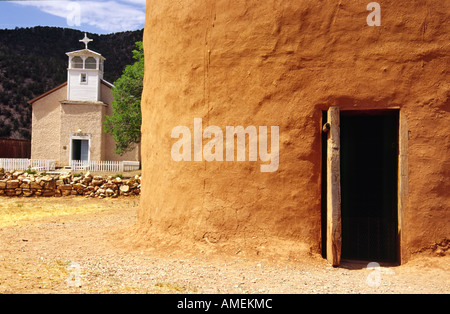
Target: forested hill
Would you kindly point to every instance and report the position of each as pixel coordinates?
(34, 60)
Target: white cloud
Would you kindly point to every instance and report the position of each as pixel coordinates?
(110, 16)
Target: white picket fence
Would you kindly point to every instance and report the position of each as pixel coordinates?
(110, 166)
(131, 165)
(11, 164)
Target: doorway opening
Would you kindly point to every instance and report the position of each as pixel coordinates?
(80, 149)
(369, 146)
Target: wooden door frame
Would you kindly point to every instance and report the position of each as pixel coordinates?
(334, 229)
(333, 186)
(402, 185)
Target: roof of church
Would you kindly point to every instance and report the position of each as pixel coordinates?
(47, 93)
(83, 102)
(85, 52)
(104, 82)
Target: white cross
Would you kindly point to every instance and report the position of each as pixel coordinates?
(85, 40)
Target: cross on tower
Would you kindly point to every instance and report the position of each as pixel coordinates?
(86, 40)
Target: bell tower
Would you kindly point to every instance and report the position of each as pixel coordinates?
(84, 73)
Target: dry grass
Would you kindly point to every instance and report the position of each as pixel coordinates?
(33, 273)
(15, 210)
(167, 287)
(31, 262)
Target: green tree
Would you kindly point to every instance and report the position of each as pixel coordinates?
(125, 122)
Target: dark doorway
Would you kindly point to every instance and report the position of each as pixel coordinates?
(80, 149)
(369, 163)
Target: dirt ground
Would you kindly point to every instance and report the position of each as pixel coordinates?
(79, 245)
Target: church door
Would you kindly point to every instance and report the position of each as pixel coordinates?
(80, 149)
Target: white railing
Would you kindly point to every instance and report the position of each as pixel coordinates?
(11, 164)
(109, 166)
(131, 165)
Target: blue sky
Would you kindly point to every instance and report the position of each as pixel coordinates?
(95, 16)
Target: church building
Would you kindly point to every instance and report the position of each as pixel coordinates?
(67, 121)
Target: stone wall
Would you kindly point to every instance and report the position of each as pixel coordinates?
(21, 183)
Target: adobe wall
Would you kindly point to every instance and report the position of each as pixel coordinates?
(87, 118)
(46, 123)
(280, 63)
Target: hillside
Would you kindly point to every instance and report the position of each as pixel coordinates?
(33, 60)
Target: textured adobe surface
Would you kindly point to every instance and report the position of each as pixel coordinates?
(280, 63)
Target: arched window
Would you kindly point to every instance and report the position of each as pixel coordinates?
(91, 63)
(77, 63)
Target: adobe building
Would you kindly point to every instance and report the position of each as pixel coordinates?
(67, 121)
(352, 100)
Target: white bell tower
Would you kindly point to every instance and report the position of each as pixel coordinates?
(84, 73)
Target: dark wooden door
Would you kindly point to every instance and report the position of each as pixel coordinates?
(369, 163)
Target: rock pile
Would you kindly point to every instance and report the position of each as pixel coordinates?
(20, 183)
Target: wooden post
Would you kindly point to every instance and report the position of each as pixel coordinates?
(402, 184)
(334, 241)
